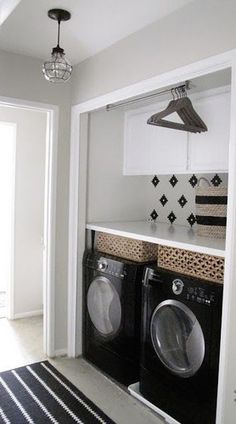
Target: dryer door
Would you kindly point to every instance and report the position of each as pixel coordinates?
(104, 306)
(177, 338)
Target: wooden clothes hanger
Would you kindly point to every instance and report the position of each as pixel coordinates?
(184, 108)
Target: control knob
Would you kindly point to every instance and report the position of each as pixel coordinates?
(177, 286)
(102, 266)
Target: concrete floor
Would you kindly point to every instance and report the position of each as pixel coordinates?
(112, 399)
(22, 344)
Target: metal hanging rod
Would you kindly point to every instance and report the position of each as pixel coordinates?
(181, 88)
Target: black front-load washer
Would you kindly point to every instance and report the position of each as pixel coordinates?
(112, 310)
(180, 345)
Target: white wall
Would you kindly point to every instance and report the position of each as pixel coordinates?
(111, 196)
(201, 29)
(29, 207)
(21, 77)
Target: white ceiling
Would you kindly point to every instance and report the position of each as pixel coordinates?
(94, 26)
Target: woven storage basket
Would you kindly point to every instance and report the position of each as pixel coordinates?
(135, 250)
(199, 265)
(211, 210)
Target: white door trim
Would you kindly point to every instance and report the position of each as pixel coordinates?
(50, 232)
(77, 220)
(78, 197)
(73, 236)
(49, 217)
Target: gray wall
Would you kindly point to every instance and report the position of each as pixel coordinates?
(111, 196)
(21, 77)
(201, 29)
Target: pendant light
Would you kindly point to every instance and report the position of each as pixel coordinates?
(58, 68)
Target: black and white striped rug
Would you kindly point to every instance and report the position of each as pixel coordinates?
(39, 394)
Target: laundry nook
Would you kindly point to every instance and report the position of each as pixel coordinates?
(155, 227)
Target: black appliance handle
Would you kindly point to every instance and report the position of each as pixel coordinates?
(154, 281)
(150, 277)
(92, 239)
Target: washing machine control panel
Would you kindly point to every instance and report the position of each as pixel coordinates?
(203, 295)
(111, 267)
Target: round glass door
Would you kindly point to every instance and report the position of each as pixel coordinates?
(177, 338)
(104, 306)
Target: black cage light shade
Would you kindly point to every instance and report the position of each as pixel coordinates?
(58, 68)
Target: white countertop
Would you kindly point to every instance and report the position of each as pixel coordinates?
(160, 233)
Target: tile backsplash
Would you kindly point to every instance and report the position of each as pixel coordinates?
(172, 197)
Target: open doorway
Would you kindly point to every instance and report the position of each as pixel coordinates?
(28, 141)
(23, 136)
(7, 191)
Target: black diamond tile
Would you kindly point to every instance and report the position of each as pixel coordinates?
(154, 215)
(163, 200)
(193, 180)
(173, 181)
(155, 181)
(191, 219)
(171, 217)
(182, 201)
(216, 180)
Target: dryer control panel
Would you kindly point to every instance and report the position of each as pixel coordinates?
(183, 287)
(204, 295)
(195, 291)
(111, 267)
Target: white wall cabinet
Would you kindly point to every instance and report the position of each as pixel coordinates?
(148, 148)
(151, 149)
(209, 151)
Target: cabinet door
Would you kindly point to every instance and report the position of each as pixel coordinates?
(168, 149)
(151, 149)
(136, 145)
(209, 151)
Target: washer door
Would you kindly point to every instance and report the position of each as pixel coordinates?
(104, 307)
(177, 338)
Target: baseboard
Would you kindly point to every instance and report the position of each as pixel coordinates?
(61, 352)
(28, 314)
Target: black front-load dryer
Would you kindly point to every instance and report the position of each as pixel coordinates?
(112, 309)
(180, 345)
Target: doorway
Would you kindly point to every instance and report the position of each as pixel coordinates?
(7, 190)
(16, 305)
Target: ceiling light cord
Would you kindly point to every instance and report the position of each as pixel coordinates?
(58, 32)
